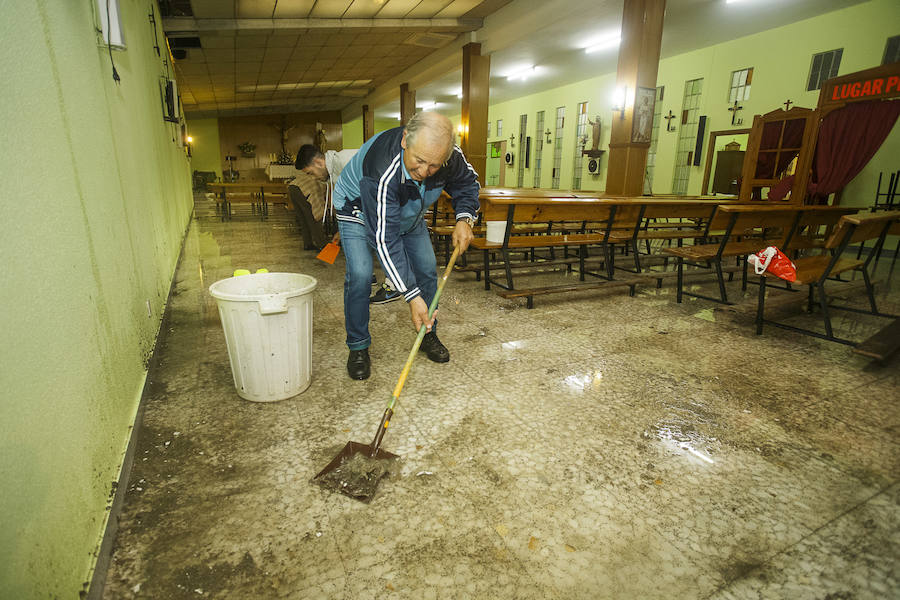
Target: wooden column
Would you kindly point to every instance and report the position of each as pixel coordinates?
(407, 103)
(368, 122)
(476, 74)
(642, 23)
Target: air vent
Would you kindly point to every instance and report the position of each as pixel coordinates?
(430, 40)
(184, 42)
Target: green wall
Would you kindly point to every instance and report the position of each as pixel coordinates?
(205, 149)
(781, 60)
(102, 199)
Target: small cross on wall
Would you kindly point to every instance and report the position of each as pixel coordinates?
(668, 119)
(787, 105)
(733, 110)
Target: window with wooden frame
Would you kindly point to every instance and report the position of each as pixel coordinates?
(824, 66)
(779, 144)
(499, 127)
(740, 85)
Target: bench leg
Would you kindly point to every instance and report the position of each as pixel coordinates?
(679, 265)
(809, 300)
(530, 302)
(582, 252)
(487, 270)
(506, 266)
(610, 261)
(637, 256)
(869, 291)
(760, 305)
(744, 277)
(823, 303)
(721, 278)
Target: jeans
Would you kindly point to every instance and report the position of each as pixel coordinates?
(358, 276)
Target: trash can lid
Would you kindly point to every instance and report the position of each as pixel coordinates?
(259, 286)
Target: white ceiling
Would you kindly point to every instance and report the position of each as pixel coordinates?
(279, 55)
(556, 44)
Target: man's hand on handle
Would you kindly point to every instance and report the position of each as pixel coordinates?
(462, 235)
(418, 310)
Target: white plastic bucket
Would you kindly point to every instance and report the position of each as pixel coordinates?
(496, 230)
(267, 318)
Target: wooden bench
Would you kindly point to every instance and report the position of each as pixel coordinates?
(531, 210)
(252, 192)
(813, 271)
(667, 219)
(815, 225)
(631, 283)
(750, 228)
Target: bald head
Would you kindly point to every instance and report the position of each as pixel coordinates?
(427, 143)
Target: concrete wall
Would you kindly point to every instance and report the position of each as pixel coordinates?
(98, 198)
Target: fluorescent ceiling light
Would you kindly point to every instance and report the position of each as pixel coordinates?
(270, 87)
(523, 74)
(605, 44)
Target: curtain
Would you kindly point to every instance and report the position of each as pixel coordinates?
(848, 138)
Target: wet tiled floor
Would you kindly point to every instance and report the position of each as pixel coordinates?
(597, 446)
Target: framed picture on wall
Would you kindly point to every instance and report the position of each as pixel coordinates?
(642, 121)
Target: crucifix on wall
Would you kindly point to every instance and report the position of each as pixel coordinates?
(284, 130)
(787, 105)
(733, 110)
(668, 119)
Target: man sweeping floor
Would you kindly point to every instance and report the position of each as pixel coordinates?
(380, 200)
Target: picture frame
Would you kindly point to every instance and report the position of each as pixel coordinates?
(642, 116)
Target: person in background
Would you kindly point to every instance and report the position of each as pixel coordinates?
(324, 169)
(380, 201)
(307, 193)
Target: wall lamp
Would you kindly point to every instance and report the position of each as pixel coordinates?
(623, 97)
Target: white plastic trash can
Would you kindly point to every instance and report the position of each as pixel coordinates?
(496, 231)
(267, 318)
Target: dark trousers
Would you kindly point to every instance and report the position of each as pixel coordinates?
(310, 228)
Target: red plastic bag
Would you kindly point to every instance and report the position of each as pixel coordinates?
(773, 261)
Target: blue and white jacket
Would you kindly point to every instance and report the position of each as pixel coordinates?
(375, 190)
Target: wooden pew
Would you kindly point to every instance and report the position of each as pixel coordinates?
(668, 219)
(749, 228)
(813, 271)
(250, 192)
(815, 225)
(518, 211)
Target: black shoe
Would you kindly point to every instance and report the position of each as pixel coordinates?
(384, 295)
(358, 364)
(433, 347)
